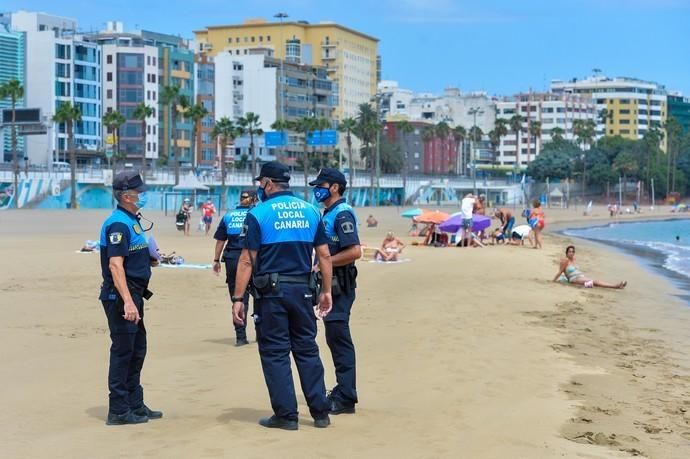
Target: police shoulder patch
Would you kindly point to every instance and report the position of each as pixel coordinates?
(245, 228)
(347, 227)
(115, 238)
(136, 228)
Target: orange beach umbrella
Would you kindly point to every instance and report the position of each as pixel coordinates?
(434, 217)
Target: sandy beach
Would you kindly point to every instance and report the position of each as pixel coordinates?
(470, 353)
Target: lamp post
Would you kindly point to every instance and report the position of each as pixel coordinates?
(281, 16)
(474, 111)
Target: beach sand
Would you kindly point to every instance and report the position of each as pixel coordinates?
(468, 353)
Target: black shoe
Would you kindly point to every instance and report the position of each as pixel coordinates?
(127, 418)
(338, 407)
(241, 342)
(149, 413)
(323, 422)
(274, 422)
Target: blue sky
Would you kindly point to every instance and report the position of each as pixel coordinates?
(498, 46)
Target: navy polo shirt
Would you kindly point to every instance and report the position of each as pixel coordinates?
(122, 236)
(230, 229)
(284, 230)
(340, 223)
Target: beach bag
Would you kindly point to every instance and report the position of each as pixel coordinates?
(525, 213)
(180, 220)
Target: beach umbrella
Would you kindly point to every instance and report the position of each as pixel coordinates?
(454, 223)
(429, 217)
(409, 213)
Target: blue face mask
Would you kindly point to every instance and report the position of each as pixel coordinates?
(261, 193)
(321, 194)
(142, 199)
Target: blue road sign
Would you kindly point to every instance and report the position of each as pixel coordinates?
(327, 137)
(275, 138)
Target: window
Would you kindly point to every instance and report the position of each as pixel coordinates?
(625, 101)
(109, 76)
(153, 62)
(624, 121)
(130, 95)
(130, 78)
(252, 40)
(109, 94)
(131, 61)
(268, 38)
(63, 51)
(624, 111)
(625, 131)
(237, 40)
(62, 70)
(109, 59)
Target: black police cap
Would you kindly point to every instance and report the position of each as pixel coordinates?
(128, 181)
(275, 171)
(329, 175)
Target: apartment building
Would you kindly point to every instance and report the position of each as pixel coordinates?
(12, 67)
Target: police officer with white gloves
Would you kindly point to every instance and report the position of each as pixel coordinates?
(126, 268)
(340, 223)
(280, 234)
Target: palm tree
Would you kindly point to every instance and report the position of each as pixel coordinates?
(196, 113)
(70, 114)
(171, 98)
(281, 125)
(113, 120)
(500, 130)
(250, 124)
(224, 131)
(142, 112)
(515, 123)
(534, 129)
(405, 128)
(304, 126)
(348, 126)
(460, 134)
(367, 127)
(557, 134)
(584, 131)
(14, 91)
(674, 132)
(605, 116)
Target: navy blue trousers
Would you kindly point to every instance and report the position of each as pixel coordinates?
(127, 354)
(342, 349)
(284, 325)
(230, 273)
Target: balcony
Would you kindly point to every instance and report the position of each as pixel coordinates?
(328, 56)
(329, 44)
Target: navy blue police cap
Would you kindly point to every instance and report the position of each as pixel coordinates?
(330, 176)
(275, 171)
(128, 181)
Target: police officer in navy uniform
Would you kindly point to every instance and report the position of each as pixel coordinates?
(280, 234)
(228, 235)
(126, 268)
(340, 223)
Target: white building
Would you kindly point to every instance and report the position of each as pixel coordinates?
(130, 77)
(395, 101)
(551, 110)
(61, 67)
(631, 105)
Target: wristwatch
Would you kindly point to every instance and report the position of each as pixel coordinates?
(216, 260)
(237, 299)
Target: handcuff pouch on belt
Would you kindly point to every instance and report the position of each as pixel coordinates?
(266, 284)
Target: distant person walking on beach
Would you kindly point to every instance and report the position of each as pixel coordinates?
(568, 269)
(536, 222)
(186, 210)
(208, 210)
(465, 232)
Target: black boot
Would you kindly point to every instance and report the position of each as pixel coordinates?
(127, 418)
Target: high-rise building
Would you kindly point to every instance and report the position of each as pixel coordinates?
(251, 83)
(206, 146)
(175, 68)
(348, 56)
(679, 108)
(395, 101)
(551, 111)
(627, 106)
(61, 66)
(130, 77)
(455, 108)
(12, 67)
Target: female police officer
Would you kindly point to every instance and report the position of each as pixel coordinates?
(280, 234)
(340, 223)
(126, 269)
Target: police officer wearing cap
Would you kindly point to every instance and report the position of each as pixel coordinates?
(280, 234)
(340, 223)
(228, 235)
(126, 269)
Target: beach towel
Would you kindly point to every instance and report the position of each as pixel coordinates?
(402, 260)
(186, 266)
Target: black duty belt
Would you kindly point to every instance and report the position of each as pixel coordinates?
(303, 279)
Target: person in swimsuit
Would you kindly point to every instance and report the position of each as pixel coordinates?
(391, 248)
(568, 269)
(536, 221)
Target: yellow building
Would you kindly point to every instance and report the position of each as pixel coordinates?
(349, 56)
(628, 107)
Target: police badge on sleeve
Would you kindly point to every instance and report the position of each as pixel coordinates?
(347, 227)
(115, 238)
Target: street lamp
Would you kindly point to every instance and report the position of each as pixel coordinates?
(281, 16)
(474, 111)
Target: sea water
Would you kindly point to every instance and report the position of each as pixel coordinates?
(668, 239)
